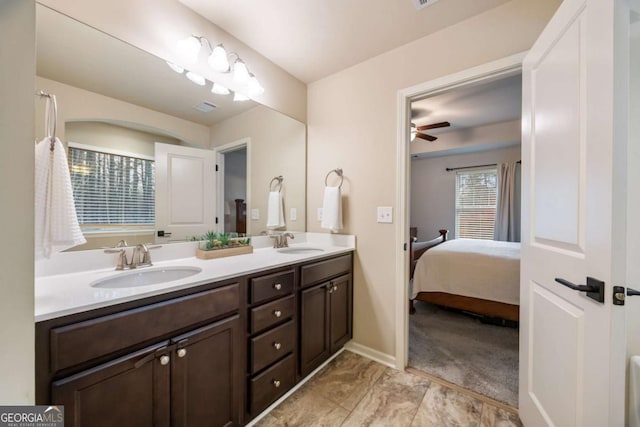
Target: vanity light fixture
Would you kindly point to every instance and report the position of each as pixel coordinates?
(196, 78)
(189, 48)
(255, 88)
(218, 59)
(178, 69)
(240, 72)
(219, 89)
(237, 96)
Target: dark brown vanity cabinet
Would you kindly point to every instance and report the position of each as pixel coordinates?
(326, 310)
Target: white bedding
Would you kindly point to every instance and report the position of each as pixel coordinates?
(483, 269)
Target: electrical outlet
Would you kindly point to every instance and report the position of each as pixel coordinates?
(293, 214)
(319, 214)
(385, 214)
(255, 213)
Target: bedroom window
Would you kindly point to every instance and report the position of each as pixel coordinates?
(476, 195)
(113, 191)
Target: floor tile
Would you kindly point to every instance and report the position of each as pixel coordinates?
(308, 408)
(497, 417)
(443, 406)
(347, 379)
(268, 421)
(392, 401)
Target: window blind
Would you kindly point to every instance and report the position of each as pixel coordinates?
(476, 194)
(112, 190)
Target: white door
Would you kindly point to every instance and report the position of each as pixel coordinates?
(185, 191)
(572, 348)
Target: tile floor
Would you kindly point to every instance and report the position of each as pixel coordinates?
(355, 391)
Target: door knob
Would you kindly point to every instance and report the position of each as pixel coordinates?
(182, 352)
(277, 313)
(164, 360)
(594, 288)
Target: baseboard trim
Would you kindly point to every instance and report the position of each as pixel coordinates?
(370, 353)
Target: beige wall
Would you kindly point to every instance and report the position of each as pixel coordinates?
(277, 148)
(76, 104)
(17, 56)
(154, 25)
(352, 124)
(433, 201)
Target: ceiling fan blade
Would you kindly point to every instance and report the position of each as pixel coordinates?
(425, 136)
(434, 126)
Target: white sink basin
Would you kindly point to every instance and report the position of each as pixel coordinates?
(145, 277)
(299, 250)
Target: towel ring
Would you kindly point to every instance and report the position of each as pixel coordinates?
(337, 172)
(51, 118)
(278, 184)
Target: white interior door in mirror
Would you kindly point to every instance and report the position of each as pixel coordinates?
(571, 351)
(185, 191)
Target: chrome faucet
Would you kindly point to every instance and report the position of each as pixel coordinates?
(139, 258)
(280, 240)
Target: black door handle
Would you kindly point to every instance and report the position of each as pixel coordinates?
(631, 292)
(594, 288)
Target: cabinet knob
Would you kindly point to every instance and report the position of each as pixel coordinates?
(277, 286)
(182, 352)
(335, 288)
(276, 383)
(164, 360)
(277, 345)
(277, 313)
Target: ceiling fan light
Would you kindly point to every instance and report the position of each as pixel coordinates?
(240, 72)
(219, 89)
(218, 59)
(255, 88)
(188, 49)
(196, 78)
(175, 67)
(237, 96)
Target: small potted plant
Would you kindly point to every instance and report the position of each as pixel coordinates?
(217, 245)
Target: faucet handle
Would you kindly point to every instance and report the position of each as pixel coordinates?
(122, 260)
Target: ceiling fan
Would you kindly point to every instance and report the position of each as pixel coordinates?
(416, 131)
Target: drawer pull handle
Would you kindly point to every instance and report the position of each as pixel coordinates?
(276, 383)
(182, 352)
(277, 345)
(277, 313)
(164, 360)
(277, 286)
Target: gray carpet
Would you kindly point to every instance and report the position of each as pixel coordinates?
(460, 349)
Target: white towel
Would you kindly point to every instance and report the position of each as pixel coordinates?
(275, 210)
(332, 209)
(56, 222)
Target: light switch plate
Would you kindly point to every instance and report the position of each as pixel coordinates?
(255, 213)
(293, 214)
(385, 214)
(319, 214)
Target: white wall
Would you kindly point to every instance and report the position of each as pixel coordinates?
(17, 56)
(433, 202)
(277, 148)
(352, 124)
(155, 25)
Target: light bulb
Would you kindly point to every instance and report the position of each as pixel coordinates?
(178, 69)
(219, 89)
(188, 49)
(255, 88)
(240, 97)
(218, 59)
(196, 78)
(413, 135)
(240, 72)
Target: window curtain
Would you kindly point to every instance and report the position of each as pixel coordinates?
(507, 226)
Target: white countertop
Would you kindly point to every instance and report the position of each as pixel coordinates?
(67, 293)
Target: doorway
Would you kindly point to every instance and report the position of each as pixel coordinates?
(233, 189)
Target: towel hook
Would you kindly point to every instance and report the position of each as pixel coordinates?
(278, 184)
(51, 110)
(338, 172)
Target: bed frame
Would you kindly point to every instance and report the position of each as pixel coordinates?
(473, 305)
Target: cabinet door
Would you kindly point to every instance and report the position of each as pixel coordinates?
(314, 327)
(206, 376)
(341, 306)
(130, 391)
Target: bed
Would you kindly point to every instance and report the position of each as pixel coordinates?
(478, 276)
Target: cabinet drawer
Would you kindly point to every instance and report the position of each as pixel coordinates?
(323, 270)
(271, 384)
(272, 286)
(80, 342)
(272, 345)
(269, 314)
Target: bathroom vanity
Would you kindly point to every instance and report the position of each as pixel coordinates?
(215, 353)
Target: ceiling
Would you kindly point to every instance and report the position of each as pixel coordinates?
(313, 39)
(471, 105)
(73, 53)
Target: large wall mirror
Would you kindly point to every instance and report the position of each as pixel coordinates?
(153, 156)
